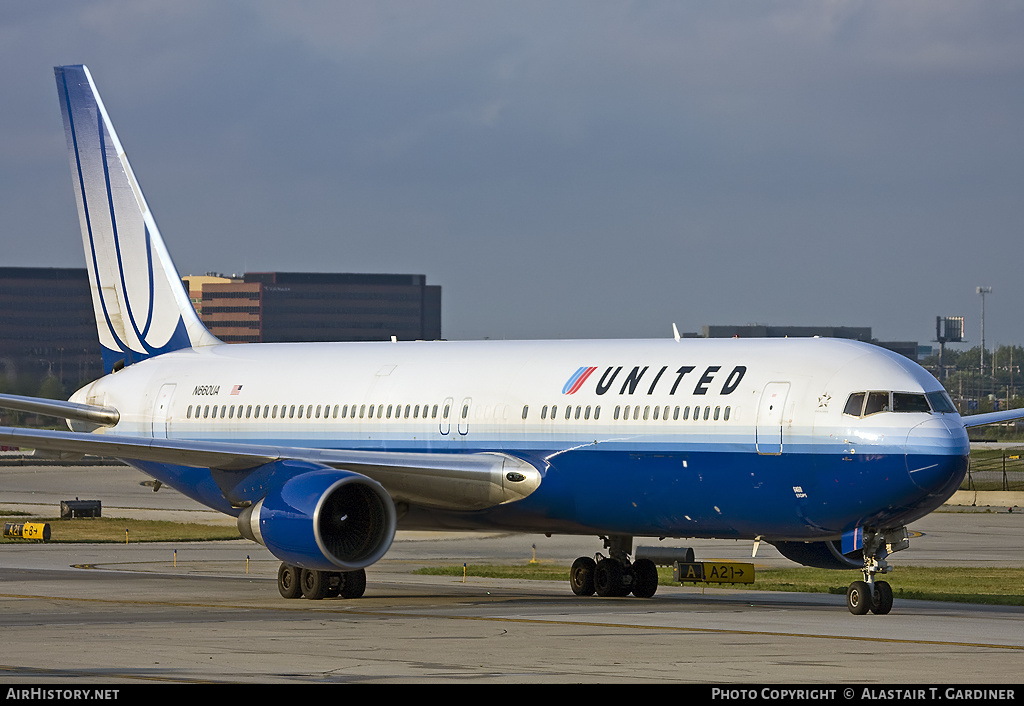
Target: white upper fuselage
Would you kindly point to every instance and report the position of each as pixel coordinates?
(510, 394)
(714, 437)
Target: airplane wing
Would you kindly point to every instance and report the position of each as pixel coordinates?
(1006, 415)
(448, 481)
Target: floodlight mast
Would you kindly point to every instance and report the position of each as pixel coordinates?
(983, 291)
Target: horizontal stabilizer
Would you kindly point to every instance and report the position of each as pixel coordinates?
(101, 416)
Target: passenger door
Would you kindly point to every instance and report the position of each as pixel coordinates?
(768, 434)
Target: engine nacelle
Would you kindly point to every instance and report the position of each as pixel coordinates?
(822, 555)
(323, 519)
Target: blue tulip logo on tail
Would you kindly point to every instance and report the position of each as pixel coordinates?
(575, 382)
(142, 308)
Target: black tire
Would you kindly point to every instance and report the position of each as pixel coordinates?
(581, 576)
(353, 584)
(608, 579)
(882, 602)
(314, 584)
(858, 598)
(645, 578)
(289, 583)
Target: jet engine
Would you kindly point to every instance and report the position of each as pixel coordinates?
(323, 519)
(822, 555)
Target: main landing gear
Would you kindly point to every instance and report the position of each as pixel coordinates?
(614, 575)
(294, 582)
(870, 595)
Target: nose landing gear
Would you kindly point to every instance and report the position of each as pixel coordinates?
(870, 595)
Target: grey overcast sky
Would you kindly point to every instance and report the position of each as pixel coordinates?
(563, 169)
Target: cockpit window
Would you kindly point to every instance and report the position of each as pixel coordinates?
(855, 405)
(877, 402)
(940, 402)
(861, 404)
(909, 402)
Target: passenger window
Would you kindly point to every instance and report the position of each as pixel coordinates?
(597, 412)
(877, 402)
(526, 409)
(855, 404)
(726, 417)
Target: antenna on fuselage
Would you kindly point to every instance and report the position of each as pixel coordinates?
(675, 332)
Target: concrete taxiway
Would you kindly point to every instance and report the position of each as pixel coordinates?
(210, 612)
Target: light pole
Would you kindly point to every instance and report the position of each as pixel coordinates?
(983, 291)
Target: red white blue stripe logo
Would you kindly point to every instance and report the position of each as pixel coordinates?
(575, 382)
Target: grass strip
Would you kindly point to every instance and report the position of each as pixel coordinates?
(114, 529)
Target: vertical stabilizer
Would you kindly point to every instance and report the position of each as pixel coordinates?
(142, 308)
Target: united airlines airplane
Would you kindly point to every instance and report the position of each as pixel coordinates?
(825, 448)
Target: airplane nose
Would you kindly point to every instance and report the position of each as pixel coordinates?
(937, 452)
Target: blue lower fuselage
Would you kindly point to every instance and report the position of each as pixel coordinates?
(675, 491)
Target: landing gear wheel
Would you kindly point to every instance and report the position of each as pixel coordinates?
(858, 598)
(288, 581)
(314, 584)
(882, 603)
(610, 579)
(353, 584)
(581, 576)
(645, 578)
